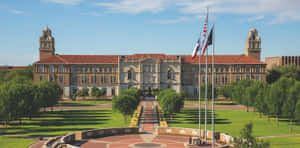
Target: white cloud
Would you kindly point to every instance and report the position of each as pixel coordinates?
(14, 11)
(256, 18)
(67, 2)
(91, 13)
(136, 6)
(279, 10)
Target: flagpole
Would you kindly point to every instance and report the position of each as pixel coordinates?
(213, 91)
(199, 89)
(206, 78)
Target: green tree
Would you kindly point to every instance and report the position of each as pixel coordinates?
(125, 104)
(246, 140)
(277, 94)
(297, 111)
(289, 106)
(170, 101)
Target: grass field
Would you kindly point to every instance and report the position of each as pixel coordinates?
(10, 142)
(56, 123)
(232, 122)
(195, 102)
(77, 103)
(284, 142)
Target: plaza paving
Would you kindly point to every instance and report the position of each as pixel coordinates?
(147, 138)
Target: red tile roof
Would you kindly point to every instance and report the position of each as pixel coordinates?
(113, 59)
(81, 59)
(223, 59)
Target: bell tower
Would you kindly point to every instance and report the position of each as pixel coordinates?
(253, 44)
(47, 48)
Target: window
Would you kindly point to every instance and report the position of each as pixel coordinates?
(227, 69)
(170, 74)
(226, 80)
(84, 79)
(153, 68)
(102, 79)
(110, 69)
(129, 74)
(217, 80)
(42, 68)
(257, 77)
(202, 69)
(61, 68)
(238, 69)
(86, 69)
(247, 69)
(248, 77)
(91, 69)
(217, 69)
(41, 78)
(223, 79)
(112, 79)
(101, 69)
(257, 69)
(61, 79)
(94, 79)
(222, 69)
(96, 69)
(238, 78)
(51, 67)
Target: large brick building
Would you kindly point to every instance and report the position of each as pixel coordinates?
(281, 61)
(145, 71)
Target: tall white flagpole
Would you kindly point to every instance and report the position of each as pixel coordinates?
(206, 79)
(199, 90)
(213, 90)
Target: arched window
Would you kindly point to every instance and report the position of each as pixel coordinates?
(129, 75)
(170, 74)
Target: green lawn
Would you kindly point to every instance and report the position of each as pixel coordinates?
(59, 123)
(196, 102)
(8, 142)
(232, 122)
(284, 142)
(77, 103)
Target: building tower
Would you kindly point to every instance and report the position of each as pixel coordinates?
(47, 48)
(253, 41)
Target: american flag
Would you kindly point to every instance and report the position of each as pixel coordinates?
(204, 31)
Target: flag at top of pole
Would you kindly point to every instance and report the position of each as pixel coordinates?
(198, 46)
(209, 40)
(196, 49)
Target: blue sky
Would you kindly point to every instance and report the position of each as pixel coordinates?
(144, 26)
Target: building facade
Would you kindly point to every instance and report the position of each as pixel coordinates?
(281, 61)
(144, 71)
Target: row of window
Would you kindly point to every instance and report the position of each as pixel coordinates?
(61, 68)
(226, 69)
(60, 78)
(95, 79)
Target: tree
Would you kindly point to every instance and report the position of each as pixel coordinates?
(83, 92)
(261, 99)
(297, 111)
(226, 91)
(170, 101)
(246, 140)
(289, 106)
(125, 104)
(277, 94)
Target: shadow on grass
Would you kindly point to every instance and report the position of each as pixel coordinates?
(49, 123)
(191, 116)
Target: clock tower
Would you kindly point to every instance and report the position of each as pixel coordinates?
(253, 44)
(47, 48)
